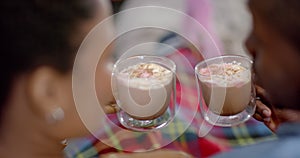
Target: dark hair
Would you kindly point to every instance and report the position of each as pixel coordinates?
(38, 32)
(283, 16)
(116, 5)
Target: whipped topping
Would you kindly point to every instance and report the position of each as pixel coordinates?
(145, 75)
(225, 74)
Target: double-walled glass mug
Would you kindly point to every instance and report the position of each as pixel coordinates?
(226, 89)
(144, 88)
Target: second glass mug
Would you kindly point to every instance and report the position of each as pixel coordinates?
(226, 85)
(144, 102)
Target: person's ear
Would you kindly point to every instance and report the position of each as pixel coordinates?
(43, 93)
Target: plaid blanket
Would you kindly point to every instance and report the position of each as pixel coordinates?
(219, 139)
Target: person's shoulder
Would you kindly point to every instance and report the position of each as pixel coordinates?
(288, 147)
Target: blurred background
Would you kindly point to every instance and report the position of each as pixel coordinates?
(228, 22)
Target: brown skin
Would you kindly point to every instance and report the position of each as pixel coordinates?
(276, 64)
(26, 132)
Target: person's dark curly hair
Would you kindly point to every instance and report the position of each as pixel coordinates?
(38, 32)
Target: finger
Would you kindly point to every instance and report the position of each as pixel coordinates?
(258, 117)
(262, 113)
(271, 125)
(262, 95)
(110, 109)
(260, 92)
(262, 109)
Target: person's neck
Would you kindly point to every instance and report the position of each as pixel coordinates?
(22, 134)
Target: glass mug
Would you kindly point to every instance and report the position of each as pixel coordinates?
(144, 88)
(225, 83)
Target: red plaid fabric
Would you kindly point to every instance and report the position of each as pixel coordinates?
(218, 140)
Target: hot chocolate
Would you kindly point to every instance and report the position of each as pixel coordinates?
(236, 80)
(144, 90)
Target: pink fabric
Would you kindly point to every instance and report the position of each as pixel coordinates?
(202, 12)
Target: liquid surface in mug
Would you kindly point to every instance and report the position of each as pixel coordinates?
(230, 84)
(144, 90)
